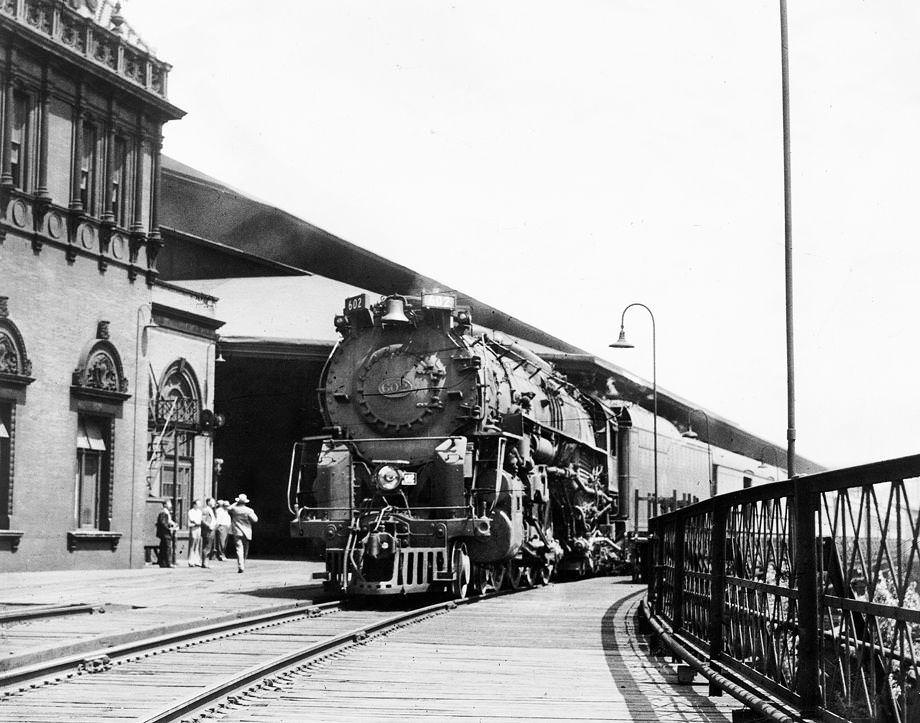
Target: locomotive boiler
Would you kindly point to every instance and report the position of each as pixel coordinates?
(454, 459)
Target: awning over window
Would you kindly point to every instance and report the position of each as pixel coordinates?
(4, 434)
(89, 436)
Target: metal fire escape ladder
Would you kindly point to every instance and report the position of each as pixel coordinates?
(156, 453)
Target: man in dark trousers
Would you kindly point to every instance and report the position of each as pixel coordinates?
(165, 529)
(241, 519)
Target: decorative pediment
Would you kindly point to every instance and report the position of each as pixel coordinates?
(15, 366)
(100, 372)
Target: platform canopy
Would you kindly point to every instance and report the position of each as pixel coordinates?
(213, 231)
(228, 233)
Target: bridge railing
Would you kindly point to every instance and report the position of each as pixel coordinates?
(806, 588)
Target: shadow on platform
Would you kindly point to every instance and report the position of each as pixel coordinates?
(623, 669)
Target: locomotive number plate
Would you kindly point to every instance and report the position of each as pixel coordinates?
(355, 303)
(394, 387)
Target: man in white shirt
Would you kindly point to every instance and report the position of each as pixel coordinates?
(194, 535)
(241, 519)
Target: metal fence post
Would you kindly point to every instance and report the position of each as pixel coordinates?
(807, 683)
(717, 545)
(677, 615)
(652, 553)
(657, 551)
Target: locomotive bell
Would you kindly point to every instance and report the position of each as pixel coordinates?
(396, 311)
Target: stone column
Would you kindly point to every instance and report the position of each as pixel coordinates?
(137, 218)
(45, 108)
(107, 215)
(76, 202)
(155, 148)
(6, 176)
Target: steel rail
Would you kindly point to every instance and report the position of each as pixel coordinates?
(69, 663)
(201, 700)
(45, 611)
(742, 694)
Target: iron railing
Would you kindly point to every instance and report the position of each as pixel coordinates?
(183, 412)
(806, 588)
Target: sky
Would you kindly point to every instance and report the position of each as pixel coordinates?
(560, 160)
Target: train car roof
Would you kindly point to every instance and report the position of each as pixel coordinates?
(588, 370)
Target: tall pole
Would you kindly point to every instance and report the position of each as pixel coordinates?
(623, 344)
(712, 492)
(787, 205)
(655, 412)
(806, 503)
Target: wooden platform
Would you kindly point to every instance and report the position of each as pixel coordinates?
(565, 652)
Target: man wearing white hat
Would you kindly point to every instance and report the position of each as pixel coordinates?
(241, 519)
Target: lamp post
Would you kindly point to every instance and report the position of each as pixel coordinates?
(621, 343)
(690, 434)
(787, 213)
(763, 464)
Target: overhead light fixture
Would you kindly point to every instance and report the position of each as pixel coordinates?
(622, 343)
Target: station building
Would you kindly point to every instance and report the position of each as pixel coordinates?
(106, 371)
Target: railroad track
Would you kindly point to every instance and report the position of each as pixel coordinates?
(174, 677)
(125, 682)
(32, 612)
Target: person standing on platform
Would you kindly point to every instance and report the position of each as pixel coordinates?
(208, 525)
(194, 535)
(165, 529)
(241, 519)
(222, 516)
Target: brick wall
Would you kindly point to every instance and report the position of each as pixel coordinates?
(56, 307)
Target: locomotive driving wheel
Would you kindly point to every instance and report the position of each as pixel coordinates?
(462, 571)
(519, 575)
(543, 573)
(498, 576)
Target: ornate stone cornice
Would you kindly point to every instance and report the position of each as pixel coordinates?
(100, 375)
(15, 366)
(55, 24)
(78, 234)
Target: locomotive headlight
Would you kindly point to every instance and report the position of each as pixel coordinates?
(387, 478)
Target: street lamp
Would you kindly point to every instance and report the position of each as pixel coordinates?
(621, 343)
(763, 464)
(690, 434)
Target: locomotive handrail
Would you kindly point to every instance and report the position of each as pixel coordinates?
(393, 439)
(806, 588)
(294, 451)
(462, 508)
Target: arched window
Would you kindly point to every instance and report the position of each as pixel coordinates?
(15, 376)
(179, 392)
(99, 389)
(174, 423)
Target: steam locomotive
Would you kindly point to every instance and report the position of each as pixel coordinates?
(461, 461)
